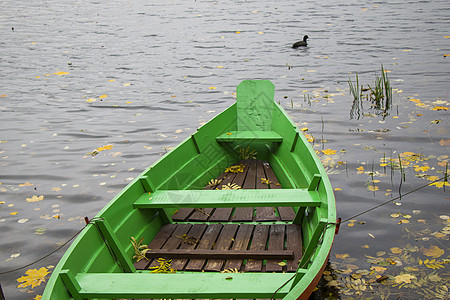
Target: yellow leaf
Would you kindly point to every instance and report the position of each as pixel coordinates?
(33, 277)
(112, 80)
(107, 147)
(304, 129)
(433, 251)
(56, 189)
(421, 168)
(212, 88)
(373, 188)
(91, 100)
(103, 96)
(443, 142)
(432, 178)
(342, 256)
(439, 108)
(13, 213)
(282, 263)
(360, 169)
(61, 73)
(35, 198)
(338, 189)
(378, 269)
(329, 152)
(229, 133)
(440, 184)
(396, 250)
(127, 84)
(26, 184)
(404, 278)
(38, 297)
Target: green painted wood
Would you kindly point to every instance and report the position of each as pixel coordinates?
(314, 182)
(228, 198)
(115, 245)
(254, 99)
(178, 285)
(253, 136)
(71, 283)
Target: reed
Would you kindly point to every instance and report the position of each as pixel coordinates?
(354, 88)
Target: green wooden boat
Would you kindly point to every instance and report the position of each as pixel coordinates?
(242, 209)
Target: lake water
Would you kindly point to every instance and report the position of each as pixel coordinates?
(143, 75)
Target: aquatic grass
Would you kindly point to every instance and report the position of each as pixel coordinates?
(378, 94)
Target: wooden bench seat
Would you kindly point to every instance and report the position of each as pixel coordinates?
(175, 286)
(228, 198)
(242, 136)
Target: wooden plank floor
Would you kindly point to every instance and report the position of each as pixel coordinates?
(223, 237)
(256, 174)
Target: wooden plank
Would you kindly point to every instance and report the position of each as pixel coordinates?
(222, 214)
(223, 243)
(259, 240)
(173, 241)
(263, 136)
(206, 243)
(201, 214)
(270, 175)
(263, 213)
(181, 285)
(242, 239)
(294, 242)
(182, 214)
(229, 198)
(220, 254)
(276, 242)
(286, 213)
(242, 214)
(157, 243)
(194, 235)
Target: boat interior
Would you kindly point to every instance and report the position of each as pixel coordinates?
(229, 239)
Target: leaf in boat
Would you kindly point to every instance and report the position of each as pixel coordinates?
(164, 266)
(213, 182)
(265, 181)
(235, 169)
(139, 250)
(433, 251)
(33, 277)
(247, 153)
(231, 186)
(35, 198)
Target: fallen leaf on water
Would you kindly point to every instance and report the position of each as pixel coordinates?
(378, 269)
(103, 96)
(329, 152)
(21, 221)
(38, 297)
(404, 278)
(360, 169)
(26, 184)
(443, 142)
(61, 73)
(373, 188)
(33, 277)
(396, 250)
(342, 256)
(433, 251)
(439, 108)
(13, 213)
(371, 235)
(35, 198)
(56, 189)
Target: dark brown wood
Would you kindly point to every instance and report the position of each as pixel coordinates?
(206, 243)
(270, 175)
(286, 213)
(214, 255)
(223, 214)
(245, 214)
(241, 242)
(224, 242)
(158, 241)
(193, 237)
(294, 242)
(276, 242)
(259, 240)
(182, 214)
(173, 241)
(201, 214)
(263, 213)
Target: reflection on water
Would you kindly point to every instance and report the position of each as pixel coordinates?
(142, 76)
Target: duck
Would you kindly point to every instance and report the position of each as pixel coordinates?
(301, 43)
